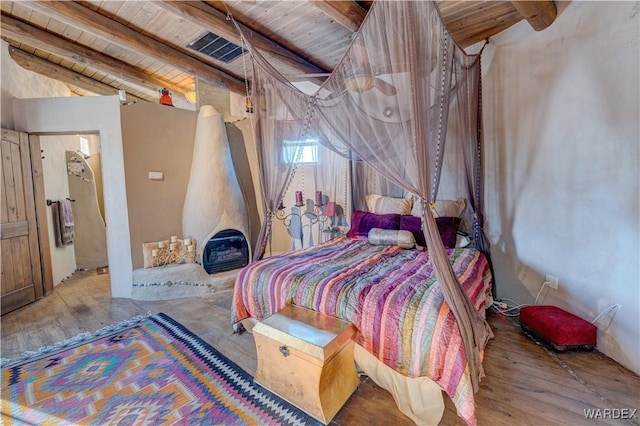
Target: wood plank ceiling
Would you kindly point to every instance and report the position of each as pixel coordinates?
(99, 47)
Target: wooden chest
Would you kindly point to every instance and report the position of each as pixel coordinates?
(307, 358)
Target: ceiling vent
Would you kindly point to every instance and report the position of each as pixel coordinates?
(217, 47)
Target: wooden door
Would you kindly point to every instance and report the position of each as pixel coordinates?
(21, 273)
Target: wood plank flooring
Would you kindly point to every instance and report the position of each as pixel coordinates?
(525, 383)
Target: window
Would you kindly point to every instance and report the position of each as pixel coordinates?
(300, 152)
(84, 146)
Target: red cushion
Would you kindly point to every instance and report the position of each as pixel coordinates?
(558, 326)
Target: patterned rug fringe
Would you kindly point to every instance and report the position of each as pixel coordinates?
(74, 341)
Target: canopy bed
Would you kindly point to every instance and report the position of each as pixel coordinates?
(405, 102)
(388, 293)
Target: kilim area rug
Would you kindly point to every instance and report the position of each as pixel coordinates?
(146, 371)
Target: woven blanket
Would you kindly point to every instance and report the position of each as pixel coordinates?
(390, 294)
(148, 371)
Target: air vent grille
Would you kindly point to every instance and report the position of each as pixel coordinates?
(217, 47)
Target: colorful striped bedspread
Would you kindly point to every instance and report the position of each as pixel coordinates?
(387, 292)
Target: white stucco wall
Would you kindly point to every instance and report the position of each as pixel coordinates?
(16, 82)
(561, 113)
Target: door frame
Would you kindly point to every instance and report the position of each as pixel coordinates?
(41, 213)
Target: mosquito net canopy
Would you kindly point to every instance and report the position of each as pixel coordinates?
(387, 104)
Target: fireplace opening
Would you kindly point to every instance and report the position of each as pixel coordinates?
(225, 251)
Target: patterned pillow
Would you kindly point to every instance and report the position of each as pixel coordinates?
(379, 204)
(363, 222)
(390, 237)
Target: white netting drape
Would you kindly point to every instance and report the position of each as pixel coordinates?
(387, 104)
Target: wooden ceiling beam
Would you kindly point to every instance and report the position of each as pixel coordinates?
(37, 38)
(349, 14)
(216, 21)
(49, 69)
(539, 14)
(466, 40)
(85, 19)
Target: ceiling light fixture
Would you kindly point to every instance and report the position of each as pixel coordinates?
(165, 97)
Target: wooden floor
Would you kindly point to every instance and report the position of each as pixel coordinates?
(525, 384)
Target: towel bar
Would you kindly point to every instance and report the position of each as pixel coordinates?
(49, 202)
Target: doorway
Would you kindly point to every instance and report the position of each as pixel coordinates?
(72, 175)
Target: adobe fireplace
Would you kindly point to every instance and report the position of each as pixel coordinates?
(225, 251)
(214, 212)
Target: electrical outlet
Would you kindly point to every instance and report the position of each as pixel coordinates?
(551, 281)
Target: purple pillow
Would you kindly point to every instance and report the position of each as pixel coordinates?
(413, 224)
(363, 222)
(447, 226)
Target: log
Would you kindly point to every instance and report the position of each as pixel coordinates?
(216, 21)
(49, 69)
(37, 38)
(87, 20)
(539, 14)
(349, 14)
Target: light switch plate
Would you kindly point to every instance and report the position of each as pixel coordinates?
(156, 175)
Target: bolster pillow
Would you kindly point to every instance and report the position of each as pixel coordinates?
(391, 237)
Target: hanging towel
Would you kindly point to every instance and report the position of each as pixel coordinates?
(67, 212)
(57, 232)
(64, 235)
